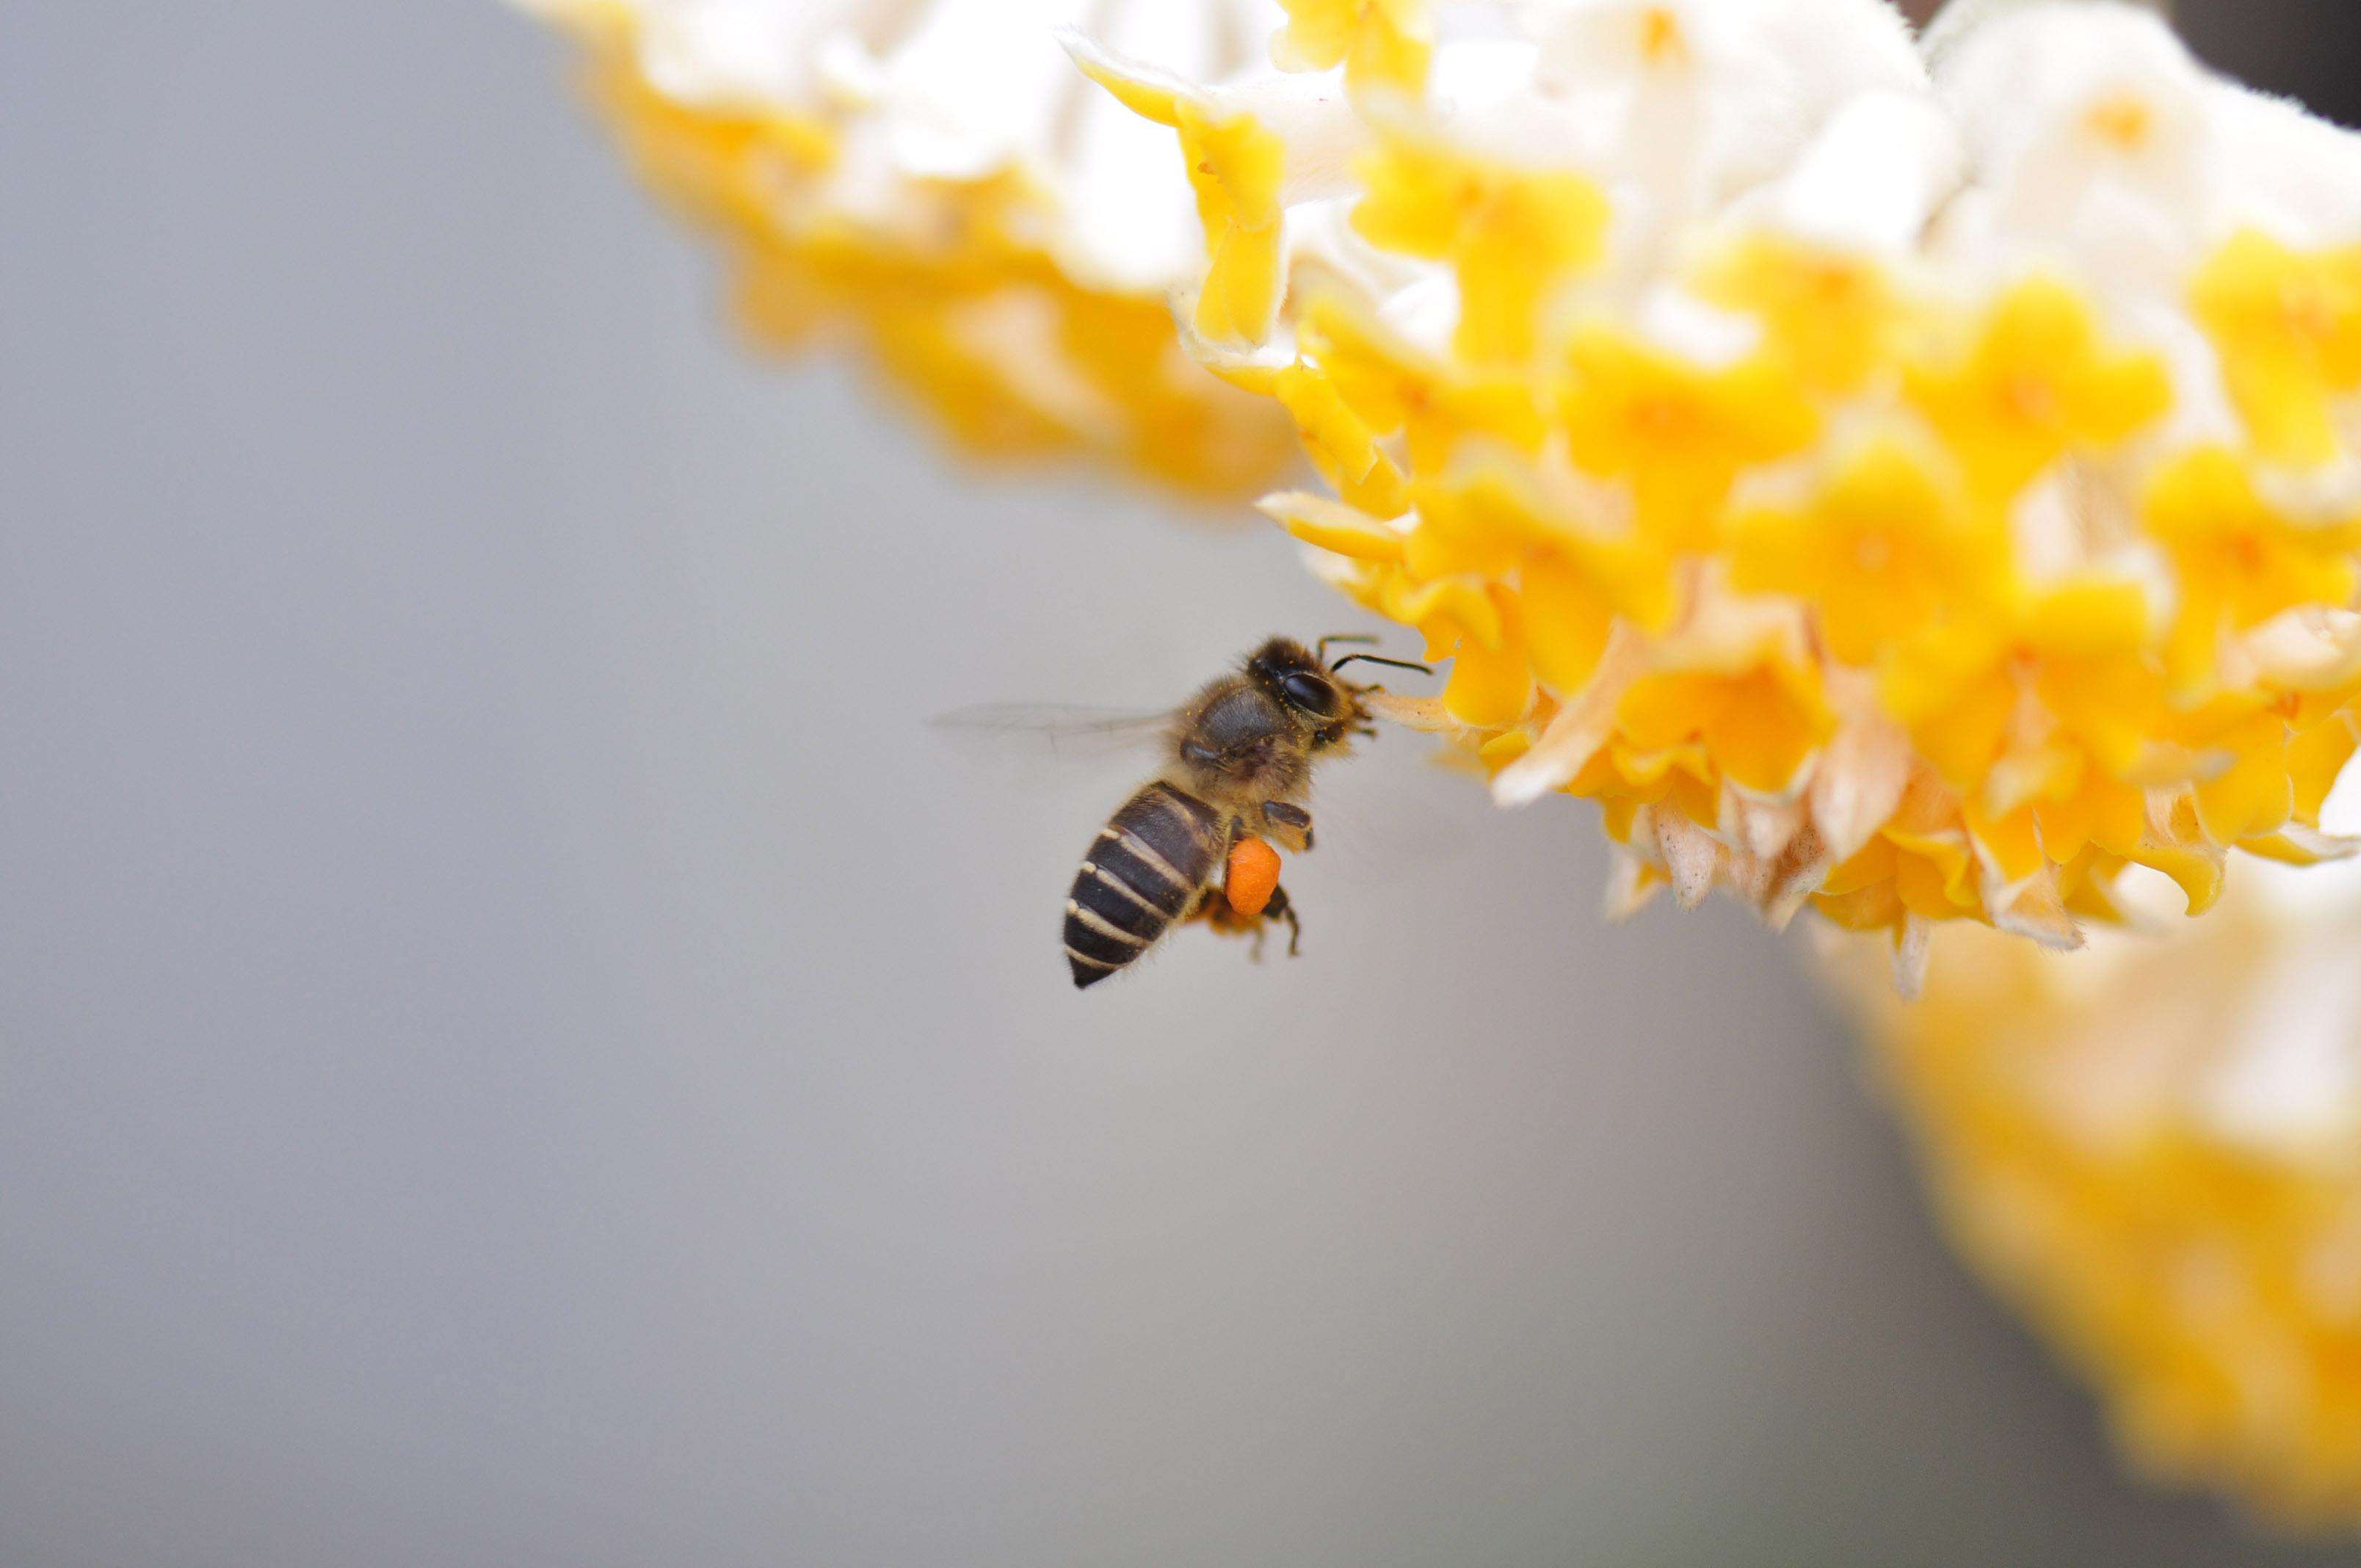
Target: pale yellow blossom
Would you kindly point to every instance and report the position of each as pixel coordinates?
(2153, 1149)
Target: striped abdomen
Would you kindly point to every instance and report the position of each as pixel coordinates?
(1144, 871)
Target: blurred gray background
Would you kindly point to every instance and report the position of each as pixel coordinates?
(517, 1047)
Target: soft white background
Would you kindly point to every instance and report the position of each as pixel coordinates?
(518, 1047)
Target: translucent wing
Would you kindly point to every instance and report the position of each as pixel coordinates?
(1062, 728)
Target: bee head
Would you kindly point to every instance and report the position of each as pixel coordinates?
(1293, 674)
(1307, 687)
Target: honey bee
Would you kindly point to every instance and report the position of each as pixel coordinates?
(1237, 767)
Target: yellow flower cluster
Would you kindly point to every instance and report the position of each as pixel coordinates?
(963, 287)
(2153, 1149)
(1865, 522)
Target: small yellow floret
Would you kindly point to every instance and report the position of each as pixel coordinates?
(1678, 432)
(1511, 236)
(1386, 43)
(1491, 682)
(2238, 562)
(2033, 384)
(1888, 551)
(1237, 166)
(1835, 319)
(2287, 327)
(1755, 716)
(1396, 388)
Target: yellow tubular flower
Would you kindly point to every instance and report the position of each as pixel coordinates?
(1235, 164)
(1921, 498)
(1886, 550)
(1384, 43)
(1510, 236)
(2153, 1149)
(1831, 317)
(930, 184)
(2034, 385)
(2288, 324)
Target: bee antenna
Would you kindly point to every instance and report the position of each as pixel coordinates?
(1320, 649)
(1377, 659)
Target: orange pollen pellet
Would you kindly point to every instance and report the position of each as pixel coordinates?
(1254, 876)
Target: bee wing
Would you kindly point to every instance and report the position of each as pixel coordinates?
(1063, 728)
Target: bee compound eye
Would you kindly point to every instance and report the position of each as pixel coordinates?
(1309, 692)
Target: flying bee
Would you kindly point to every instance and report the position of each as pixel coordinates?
(1237, 768)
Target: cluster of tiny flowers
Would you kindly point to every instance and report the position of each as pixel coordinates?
(2154, 1152)
(932, 183)
(1916, 483)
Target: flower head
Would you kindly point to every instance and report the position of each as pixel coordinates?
(933, 182)
(2154, 1150)
(1920, 488)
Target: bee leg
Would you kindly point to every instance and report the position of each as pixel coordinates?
(1282, 908)
(1290, 825)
